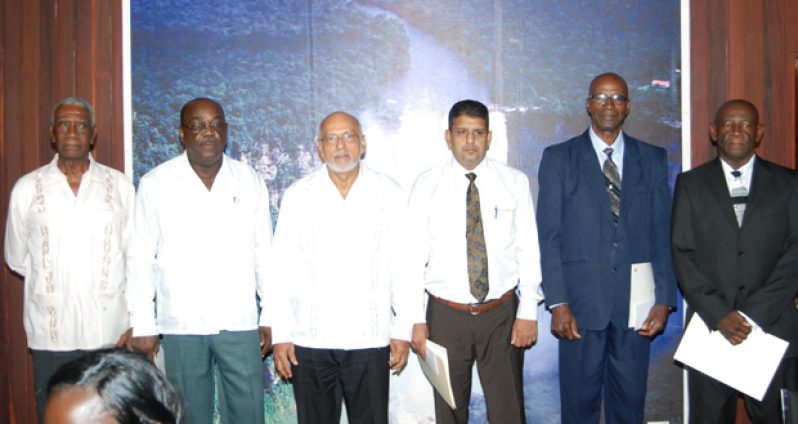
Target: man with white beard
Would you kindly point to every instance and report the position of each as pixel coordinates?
(345, 291)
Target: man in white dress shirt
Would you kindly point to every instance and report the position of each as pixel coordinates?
(196, 262)
(489, 320)
(346, 291)
(66, 233)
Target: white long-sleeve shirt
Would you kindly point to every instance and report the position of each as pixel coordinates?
(70, 249)
(198, 257)
(438, 204)
(343, 266)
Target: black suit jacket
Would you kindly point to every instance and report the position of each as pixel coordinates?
(722, 267)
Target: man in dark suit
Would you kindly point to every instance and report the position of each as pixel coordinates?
(735, 252)
(604, 204)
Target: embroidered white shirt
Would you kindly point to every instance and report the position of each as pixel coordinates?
(70, 249)
(343, 266)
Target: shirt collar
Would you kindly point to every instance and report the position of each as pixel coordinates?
(480, 169)
(599, 145)
(744, 170)
(91, 173)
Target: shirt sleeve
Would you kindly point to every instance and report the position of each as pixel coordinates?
(263, 243)
(142, 248)
(407, 272)
(527, 253)
(16, 241)
(420, 238)
(286, 253)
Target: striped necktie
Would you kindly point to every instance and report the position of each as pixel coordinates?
(613, 180)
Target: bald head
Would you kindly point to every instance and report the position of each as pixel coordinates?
(607, 77)
(734, 104)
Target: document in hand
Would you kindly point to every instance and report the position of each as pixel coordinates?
(747, 367)
(641, 296)
(436, 368)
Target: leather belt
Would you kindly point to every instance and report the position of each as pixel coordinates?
(475, 308)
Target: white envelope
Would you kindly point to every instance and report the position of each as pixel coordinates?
(641, 295)
(710, 353)
(436, 369)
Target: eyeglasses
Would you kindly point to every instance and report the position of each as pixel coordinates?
(347, 137)
(602, 98)
(197, 127)
(81, 127)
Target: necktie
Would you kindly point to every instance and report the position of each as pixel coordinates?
(739, 197)
(475, 243)
(613, 180)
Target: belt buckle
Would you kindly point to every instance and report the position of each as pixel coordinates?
(472, 308)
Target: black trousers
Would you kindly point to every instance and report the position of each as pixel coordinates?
(325, 377)
(484, 339)
(714, 402)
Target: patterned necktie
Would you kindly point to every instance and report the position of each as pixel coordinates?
(613, 180)
(475, 243)
(739, 197)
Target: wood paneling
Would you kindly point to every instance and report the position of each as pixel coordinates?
(49, 49)
(745, 49)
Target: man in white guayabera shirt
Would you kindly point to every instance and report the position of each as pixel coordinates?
(66, 233)
(345, 292)
(196, 261)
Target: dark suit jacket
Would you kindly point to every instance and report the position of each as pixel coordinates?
(586, 258)
(722, 267)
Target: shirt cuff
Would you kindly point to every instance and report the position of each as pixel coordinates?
(527, 309)
(143, 325)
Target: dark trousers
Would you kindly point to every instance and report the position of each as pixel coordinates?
(45, 364)
(714, 402)
(612, 362)
(325, 377)
(484, 338)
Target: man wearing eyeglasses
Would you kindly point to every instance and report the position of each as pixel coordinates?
(197, 261)
(65, 234)
(342, 302)
(604, 204)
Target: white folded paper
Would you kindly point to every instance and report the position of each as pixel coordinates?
(641, 294)
(747, 367)
(436, 369)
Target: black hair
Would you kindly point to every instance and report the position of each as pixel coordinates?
(131, 388)
(470, 108)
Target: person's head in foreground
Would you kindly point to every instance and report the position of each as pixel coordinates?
(111, 386)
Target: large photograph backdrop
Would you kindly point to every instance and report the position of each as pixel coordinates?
(278, 67)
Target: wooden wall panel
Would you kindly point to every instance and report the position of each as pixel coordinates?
(49, 49)
(745, 49)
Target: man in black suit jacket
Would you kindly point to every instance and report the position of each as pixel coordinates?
(735, 252)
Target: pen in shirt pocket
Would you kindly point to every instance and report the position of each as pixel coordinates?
(495, 212)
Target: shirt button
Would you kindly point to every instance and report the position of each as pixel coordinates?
(740, 253)
(615, 244)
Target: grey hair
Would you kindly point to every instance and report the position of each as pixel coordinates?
(74, 100)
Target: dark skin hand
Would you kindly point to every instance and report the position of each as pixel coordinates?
(563, 323)
(123, 339)
(656, 321)
(146, 345)
(734, 327)
(284, 357)
(419, 339)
